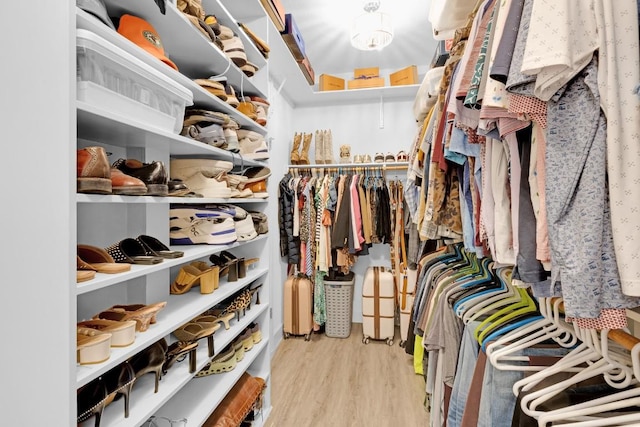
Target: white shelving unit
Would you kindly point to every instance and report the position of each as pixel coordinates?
(105, 219)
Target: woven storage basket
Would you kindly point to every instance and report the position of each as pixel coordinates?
(339, 297)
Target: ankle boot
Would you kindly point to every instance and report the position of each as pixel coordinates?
(306, 145)
(328, 147)
(295, 155)
(319, 148)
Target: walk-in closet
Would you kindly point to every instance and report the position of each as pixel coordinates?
(289, 213)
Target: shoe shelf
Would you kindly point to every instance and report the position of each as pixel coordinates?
(97, 124)
(198, 399)
(195, 56)
(179, 310)
(295, 87)
(178, 381)
(99, 198)
(225, 18)
(191, 253)
(201, 97)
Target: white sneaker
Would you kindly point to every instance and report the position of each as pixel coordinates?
(214, 187)
(185, 168)
(252, 145)
(183, 216)
(224, 231)
(210, 231)
(245, 229)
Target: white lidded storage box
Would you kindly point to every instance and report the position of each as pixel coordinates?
(114, 80)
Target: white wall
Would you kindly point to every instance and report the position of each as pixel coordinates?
(368, 128)
(356, 124)
(38, 217)
(279, 124)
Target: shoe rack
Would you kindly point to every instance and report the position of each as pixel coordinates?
(105, 219)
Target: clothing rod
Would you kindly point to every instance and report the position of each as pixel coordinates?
(383, 166)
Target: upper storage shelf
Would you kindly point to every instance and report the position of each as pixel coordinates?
(201, 97)
(195, 56)
(286, 72)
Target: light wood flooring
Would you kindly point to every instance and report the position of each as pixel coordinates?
(333, 382)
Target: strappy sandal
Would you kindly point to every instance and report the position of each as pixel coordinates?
(131, 251)
(97, 259)
(155, 247)
(177, 352)
(144, 315)
(190, 276)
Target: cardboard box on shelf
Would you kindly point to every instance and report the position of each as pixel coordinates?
(365, 83)
(307, 71)
(406, 76)
(293, 38)
(366, 72)
(328, 82)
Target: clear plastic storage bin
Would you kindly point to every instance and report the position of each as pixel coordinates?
(339, 303)
(114, 80)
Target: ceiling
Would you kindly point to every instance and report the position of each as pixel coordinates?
(325, 27)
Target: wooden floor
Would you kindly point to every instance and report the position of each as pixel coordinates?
(333, 382)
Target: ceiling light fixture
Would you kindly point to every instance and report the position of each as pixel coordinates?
(372, 30)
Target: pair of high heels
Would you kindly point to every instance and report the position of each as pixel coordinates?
(240, 303)
(199, 328)
(198, 273)
(229, 264)
(93, 397)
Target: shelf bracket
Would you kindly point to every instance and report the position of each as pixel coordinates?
(281, 86)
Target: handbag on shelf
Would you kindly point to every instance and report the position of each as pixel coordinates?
(243, 397)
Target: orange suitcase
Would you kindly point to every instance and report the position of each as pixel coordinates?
(298, 307)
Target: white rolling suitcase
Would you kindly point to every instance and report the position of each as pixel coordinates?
(378, 305)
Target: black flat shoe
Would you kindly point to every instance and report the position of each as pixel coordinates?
(155, 247)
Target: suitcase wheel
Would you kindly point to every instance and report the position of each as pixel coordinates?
(286, 335)
(402, 343)
(307, 337)
(390, 341)
(365, 340)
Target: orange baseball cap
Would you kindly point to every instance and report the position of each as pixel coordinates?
(144, 35)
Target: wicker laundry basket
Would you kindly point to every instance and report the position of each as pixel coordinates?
(339, 301)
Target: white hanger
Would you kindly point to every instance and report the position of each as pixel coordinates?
(601, 366)
(571, 362)
(611, 402)
(550, 327)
